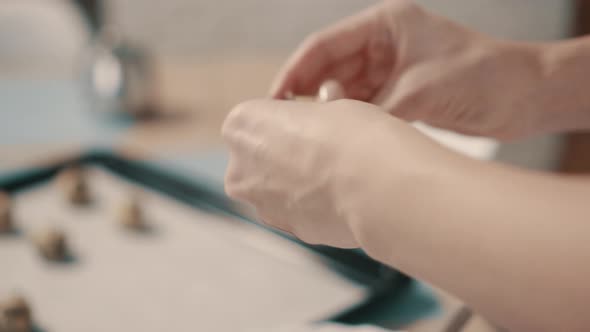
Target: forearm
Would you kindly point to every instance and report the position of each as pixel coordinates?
(513, 244)
(563, 95)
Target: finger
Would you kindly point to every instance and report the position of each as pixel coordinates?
(254, 128)
(246, 120)
(381, 60)
(408, 95)
(380, 47)
(410, 107)
(346, 71)
(384, 96)
(365, 74)
(303, 67)
(315, 55)
(244, 137)
(360, 92)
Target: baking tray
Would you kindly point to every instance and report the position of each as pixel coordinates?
(381, 283)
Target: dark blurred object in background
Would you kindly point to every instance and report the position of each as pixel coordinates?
(93, 11)
(119, 74)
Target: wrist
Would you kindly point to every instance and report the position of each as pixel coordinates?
(563, 98)
(385, 197)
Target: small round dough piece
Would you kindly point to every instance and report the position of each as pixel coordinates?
(131, 214)
(52, 244)
(72, 181)
(329, 90)
(6, 222)
(15, 315)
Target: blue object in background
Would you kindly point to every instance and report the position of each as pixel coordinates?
(44, 112)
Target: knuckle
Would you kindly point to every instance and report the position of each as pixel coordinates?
(412, 99)
(416, 88)
(238, 118)
(237, 114)
(410, 104)
(248, 109)
(402, 13)
(413, 103)
(233, 190)
(229, 126)
(226, 129)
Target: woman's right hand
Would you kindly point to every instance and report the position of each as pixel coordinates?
(419, 66)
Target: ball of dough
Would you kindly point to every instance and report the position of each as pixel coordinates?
(330, 90)
(15, 315)
(72, 181)
(131, 215)
(52, 244)
(6, 223)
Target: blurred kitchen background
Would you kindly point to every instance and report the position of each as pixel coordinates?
(190, 61)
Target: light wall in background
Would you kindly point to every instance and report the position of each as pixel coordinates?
(198, 26)
(40, 38)
(47, 35)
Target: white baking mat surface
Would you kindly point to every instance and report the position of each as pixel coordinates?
(193, 272)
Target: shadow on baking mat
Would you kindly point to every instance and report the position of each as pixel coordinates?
(68, 259)
(37, 328)
(13, 232)
(413, 302)
(145, 229)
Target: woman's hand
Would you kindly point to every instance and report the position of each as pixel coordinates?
(419, 66)
(307, 167)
